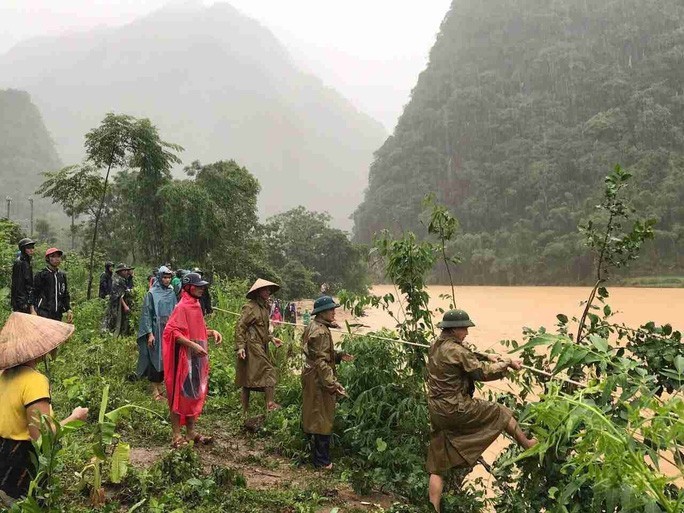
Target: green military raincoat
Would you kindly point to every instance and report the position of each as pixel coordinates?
(257, 371)
(319, 378)
(462, 427)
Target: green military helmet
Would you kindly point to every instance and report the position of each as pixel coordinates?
(455, 319)
(324, 303)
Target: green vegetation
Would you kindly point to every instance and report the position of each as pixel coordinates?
(611, 444)
(522, 107)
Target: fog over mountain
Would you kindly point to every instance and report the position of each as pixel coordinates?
(26, 150)
(219, 84)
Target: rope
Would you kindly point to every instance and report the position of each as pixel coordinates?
(406, 342)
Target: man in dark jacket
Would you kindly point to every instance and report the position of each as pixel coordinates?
(21, 291)
(106, 280)
(50, 291)
(205, 299)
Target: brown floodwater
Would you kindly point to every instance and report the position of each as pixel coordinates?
(500, 313)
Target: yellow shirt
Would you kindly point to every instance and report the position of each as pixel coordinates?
(20, 388)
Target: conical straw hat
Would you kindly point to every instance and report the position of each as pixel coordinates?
(26, 337)
(260, 284)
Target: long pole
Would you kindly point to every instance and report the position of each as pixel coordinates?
(9, 203)
(31, 202)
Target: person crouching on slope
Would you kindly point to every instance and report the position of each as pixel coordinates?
(186, 361)
(462, 427)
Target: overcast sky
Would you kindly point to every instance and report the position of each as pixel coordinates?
(370, 50)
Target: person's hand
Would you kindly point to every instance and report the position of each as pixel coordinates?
(218, 338)
(126, 309)
(242, 354)
(277, 342)
(346, 357)
(79, 413)
(339, 390)
(150, 339)
(515, 364)
(70, 317)
(199, 350)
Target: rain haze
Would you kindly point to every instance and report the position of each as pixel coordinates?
(371, 52)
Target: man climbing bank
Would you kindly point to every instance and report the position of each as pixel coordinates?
(462, 427)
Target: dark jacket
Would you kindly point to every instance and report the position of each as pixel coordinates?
(105, 284)
(22, 284)
(51, 294)
(205, 303)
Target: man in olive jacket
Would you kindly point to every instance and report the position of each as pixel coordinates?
(255, 370)
(320, 387)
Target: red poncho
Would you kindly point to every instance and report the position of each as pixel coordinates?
(186, 374)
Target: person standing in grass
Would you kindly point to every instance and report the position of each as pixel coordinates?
(21, 291)
(119, 312)
(50, 289)
(255, 371)
(186, 361)
(159, 302)
(320, 387)
(462, 427)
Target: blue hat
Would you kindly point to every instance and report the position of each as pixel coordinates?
(324, 303)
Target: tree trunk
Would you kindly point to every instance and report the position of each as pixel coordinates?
(97, 222)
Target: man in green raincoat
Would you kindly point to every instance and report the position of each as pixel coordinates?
(462, 426)
(320, 388)
(255, 370)
(120, 301)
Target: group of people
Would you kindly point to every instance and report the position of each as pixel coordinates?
(173, 343)
(46, 293)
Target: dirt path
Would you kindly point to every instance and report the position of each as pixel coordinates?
(264, 470)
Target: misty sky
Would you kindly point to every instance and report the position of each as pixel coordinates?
(370, 50)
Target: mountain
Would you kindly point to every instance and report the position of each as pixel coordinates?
(26, 151)
(524, 107)
(219, 84)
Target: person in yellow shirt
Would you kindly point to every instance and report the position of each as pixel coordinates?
(25, 395)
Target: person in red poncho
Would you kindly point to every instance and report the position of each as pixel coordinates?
(186, 361)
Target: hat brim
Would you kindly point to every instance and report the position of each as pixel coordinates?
(329, 306)
(262, 284)
(455, 324)
(199, 284)
(26, 337)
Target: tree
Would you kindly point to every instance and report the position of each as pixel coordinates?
(77, 189)
(123, 141)
(306, 237)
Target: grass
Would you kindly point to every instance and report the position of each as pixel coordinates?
(654, 281)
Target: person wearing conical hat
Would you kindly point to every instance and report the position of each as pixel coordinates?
(255, 370)
(320, 388)
(462, 427)
(119, 311)
(25, 395)
(21, 291)
(50, 289)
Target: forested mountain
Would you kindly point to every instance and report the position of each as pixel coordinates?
(524, 107)
(26, 151)
(216, 82)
